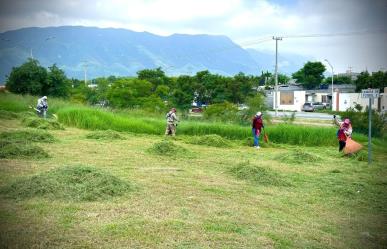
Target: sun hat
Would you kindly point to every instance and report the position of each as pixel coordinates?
(259, 114)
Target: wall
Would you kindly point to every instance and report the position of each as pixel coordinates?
(299, 100)
(349, 100)
(383, 101)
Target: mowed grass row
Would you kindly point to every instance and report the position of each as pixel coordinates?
(95, 119)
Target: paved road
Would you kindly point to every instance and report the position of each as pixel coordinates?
(311, 115)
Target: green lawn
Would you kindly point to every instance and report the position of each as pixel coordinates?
(282, 196)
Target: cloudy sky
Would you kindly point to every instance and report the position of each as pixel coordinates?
(356, 29)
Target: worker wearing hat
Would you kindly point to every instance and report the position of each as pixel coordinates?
(42, 106)
(171, 122)
(256, 127)
(344, 131)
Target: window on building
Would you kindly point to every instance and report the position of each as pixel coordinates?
(287, 98)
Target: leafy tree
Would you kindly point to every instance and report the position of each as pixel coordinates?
(338, 80)
(127, 92)
(155, 76)
(255, 103)
(379, 80)
(57, 83)
(244, 85)
(225, 112)
(181, 99)
(204, 86)
(311, 75)
(270, 79)
(363, 81)
(162, 91)
(28, 78)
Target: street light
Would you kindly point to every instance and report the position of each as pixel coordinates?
(332, 81)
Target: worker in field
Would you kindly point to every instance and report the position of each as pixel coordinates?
(257, 125)
(42, 107)
(344, 132)
(172, 121)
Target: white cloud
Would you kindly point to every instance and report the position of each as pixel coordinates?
(241, 20)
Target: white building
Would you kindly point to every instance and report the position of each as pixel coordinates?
(343, 101)
(383, 101)
(290, 100)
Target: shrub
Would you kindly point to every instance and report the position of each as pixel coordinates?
(225, 112)
(359, 121)
(78, 183)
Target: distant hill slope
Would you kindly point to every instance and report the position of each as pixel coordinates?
(121, 52)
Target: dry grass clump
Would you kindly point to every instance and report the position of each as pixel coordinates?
(8, 115)
(21, 151)
(105, 135)
(258, 175)
(26, 136)
(167, 148)
(18, 144)
(78, 183)
(209, 140)
(41, 123)
(361, 155)
(298, 156)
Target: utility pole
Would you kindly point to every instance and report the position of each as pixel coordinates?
(332, 81)
(85, 70)
(276, 38)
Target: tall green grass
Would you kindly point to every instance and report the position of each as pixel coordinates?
(95, 119)
(139, 122)
(22, 103)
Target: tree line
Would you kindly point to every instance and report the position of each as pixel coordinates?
(151, 88)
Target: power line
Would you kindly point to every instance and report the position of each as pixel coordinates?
(365, 32)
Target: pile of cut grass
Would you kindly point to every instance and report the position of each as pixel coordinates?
(258, 175)
(105, 135)
(26, 136)
(8, 115)
(209, 140)
(167, 148)
(17, 144)
(41, 123)
(298, 156)
(21, 151)
(79, 183)
(361, 155)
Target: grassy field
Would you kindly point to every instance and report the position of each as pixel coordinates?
(111, 189)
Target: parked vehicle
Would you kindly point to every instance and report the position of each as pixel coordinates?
(318, 105)
(196, 109)
(308, 107)
(326, 105)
